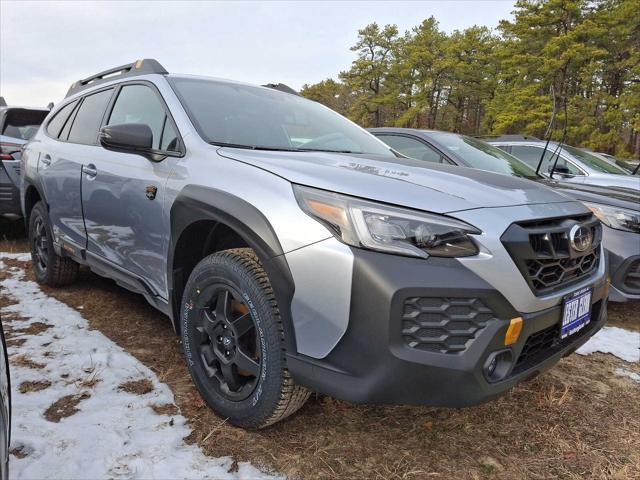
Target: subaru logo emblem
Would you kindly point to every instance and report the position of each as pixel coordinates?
(580, 238)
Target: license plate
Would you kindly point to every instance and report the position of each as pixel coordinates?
(576, 311)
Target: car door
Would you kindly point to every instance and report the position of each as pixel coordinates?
(412, 147)
(71, 136)
(122, 195)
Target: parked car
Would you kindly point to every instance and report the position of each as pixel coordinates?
(293, 251)
(573, 165)
(17, 126)
(617, 208)
(628, 165)
(5, 408)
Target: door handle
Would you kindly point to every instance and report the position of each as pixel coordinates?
(46, 160)
(90, 170)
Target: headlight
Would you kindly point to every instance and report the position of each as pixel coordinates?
(385, 228)
(615, 217)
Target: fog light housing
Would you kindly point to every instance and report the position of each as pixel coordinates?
(498, 365)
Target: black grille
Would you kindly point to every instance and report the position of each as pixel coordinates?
(444, 325)
(543, 253)
(541, 345)
(632, 277)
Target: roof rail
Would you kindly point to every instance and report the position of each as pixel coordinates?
(281, 87)
(140, 67)
(506, 138)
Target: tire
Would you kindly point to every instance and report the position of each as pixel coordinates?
(228, 314)
(49, 268)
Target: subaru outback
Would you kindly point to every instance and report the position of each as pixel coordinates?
(295, 252)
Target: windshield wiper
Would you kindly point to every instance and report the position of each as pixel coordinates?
(323, 150)
(253, 147)
(278, 149)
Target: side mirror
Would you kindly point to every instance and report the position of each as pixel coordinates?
(560, 169)
(128, 137)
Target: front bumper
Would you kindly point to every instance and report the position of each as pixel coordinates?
(375, 361)
(9, 192)
(623, 252)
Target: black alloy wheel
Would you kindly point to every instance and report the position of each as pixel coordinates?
(40, 246)
(228, 342)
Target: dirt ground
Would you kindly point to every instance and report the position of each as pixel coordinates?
(579, 420)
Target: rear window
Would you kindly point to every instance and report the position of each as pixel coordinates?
(23, 123)
(57, 122)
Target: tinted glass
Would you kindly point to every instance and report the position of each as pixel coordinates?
(57, 122)
(594, 162)
(89, 117)
(481, 155)
(169, 140)
(23, 123)
(139, 104)
(411, 148)
(531, 156)
(252, 117)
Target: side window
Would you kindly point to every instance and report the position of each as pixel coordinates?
(140, 104)
(89, 117)
(54, 127)
(531, 156)
(169, 142)
(412, 148)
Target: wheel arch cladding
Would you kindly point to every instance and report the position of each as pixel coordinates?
(205, 220)
(32, 195)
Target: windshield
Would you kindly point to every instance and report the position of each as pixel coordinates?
(481, 155)
(594, 162)
(243, 116)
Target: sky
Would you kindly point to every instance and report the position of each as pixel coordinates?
(46, 46)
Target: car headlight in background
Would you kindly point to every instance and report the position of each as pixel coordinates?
(616, 217)
(385, 228)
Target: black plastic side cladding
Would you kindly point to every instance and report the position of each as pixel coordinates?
(196, 203)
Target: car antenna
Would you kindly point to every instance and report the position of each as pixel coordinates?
(549, 131)
(564, 137)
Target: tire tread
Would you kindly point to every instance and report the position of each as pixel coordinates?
(292, 396)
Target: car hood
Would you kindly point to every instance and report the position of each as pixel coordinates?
(400, 181)
(614, 196)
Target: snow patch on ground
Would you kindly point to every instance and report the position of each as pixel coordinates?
(623, 372)
(21, 257)
(624, 344)
(114, 434)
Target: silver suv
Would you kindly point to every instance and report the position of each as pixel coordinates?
(572, 164)
(293, 251)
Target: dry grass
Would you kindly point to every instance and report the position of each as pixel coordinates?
(24, 361)
(26, 387)
(577, 421)
(64, 407)
(137, 387)
(166, 409)
(35, 328)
